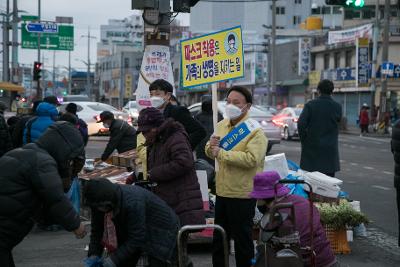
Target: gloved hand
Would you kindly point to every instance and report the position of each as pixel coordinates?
(107, 262)
(92, 261)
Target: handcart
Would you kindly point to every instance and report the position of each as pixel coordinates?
(279, 242)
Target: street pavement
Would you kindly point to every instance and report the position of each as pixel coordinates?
(366, 170)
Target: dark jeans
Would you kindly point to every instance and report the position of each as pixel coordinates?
(364, 128)
(236, 217)
(152, 262)
(6, 258)
(398, 210)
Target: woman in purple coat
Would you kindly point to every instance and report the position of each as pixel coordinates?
(264, 193)
(171, 165)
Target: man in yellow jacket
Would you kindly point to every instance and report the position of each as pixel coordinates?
(239, 147)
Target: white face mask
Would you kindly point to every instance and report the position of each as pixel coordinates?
(156, 101)
(232, 111)
(106, 125)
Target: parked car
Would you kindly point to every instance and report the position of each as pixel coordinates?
(132, 109)
(271, 131)
(287, 120)
(90, 113)
(75, 98)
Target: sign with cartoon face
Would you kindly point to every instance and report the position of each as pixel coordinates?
(212, 58)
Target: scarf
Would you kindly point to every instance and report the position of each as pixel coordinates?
(109, 240)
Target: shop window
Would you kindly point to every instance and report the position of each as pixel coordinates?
(349, 57)
(337, 60)
(316, 11)
(326, 10)
(337, 10)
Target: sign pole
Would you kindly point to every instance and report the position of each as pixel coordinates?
(214, 94)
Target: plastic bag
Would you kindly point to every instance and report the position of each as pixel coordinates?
(296, 189)
(93, 262)
(74, 194)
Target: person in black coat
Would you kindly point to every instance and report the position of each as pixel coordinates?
(137, 222)
(5, 139)
(395, 145)
(161, 93)
(205, 117)
(31, 187)
(122, 135)
(318, 128)
(72, 108)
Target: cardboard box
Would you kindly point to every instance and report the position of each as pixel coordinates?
(126, 159)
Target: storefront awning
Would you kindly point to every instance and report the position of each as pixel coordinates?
(11, 87)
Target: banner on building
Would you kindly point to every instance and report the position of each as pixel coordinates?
(362, 57)
(128, 85)
(304, 55)
(212, 58)
(314, 77)
(350, 35)
(156, 64)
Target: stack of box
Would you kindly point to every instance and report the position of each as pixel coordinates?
(322, 184)
(113, 173)
(126, 159)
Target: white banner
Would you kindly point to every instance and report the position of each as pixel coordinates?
(156, 64)
(350, 35)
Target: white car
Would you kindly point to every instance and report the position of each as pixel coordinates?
(90, 113)
(133, 110)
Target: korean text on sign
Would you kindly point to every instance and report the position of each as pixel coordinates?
(212, 58)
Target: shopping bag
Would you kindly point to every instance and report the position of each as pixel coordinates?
(74, 194)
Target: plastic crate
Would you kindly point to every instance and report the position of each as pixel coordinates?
(338, 240)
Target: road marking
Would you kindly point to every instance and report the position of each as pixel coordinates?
(341, 161)
(388, 173)
(362, 147)
(384, 150)
(353, 163)
(368, 168)
(381, 187)
(353, 146)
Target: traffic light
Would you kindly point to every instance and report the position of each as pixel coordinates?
(345, 3)
(184, 6)
(37, 69)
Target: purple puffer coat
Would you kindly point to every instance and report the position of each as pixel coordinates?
(171, 165)
(323, 251)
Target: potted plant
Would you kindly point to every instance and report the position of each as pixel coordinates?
(336, 218)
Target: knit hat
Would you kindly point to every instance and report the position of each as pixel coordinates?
(72, 108)
(149, 118)
(264, 186)
(3, 106)
(99, 190)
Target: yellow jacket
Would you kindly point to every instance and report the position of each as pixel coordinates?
(141, 154)
(237, 167)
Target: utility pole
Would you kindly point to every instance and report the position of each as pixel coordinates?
(6, 57)
(385, 56)
(121, 87)
(39, 93)
(14, 77)
(69, 73)
(374, 56)
(273, 55)
(54, 72)
(88, 83)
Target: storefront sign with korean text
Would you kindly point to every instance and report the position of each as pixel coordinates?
(212, 58)
(362, 66)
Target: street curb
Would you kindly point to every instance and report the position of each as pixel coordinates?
(385, 136)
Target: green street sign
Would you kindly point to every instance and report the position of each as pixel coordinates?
(29, 18)
(63, 40)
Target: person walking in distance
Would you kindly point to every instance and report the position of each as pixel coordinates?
(364, 119)
(318, 128)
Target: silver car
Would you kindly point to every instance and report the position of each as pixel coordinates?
(271, 131)
(287, 120)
